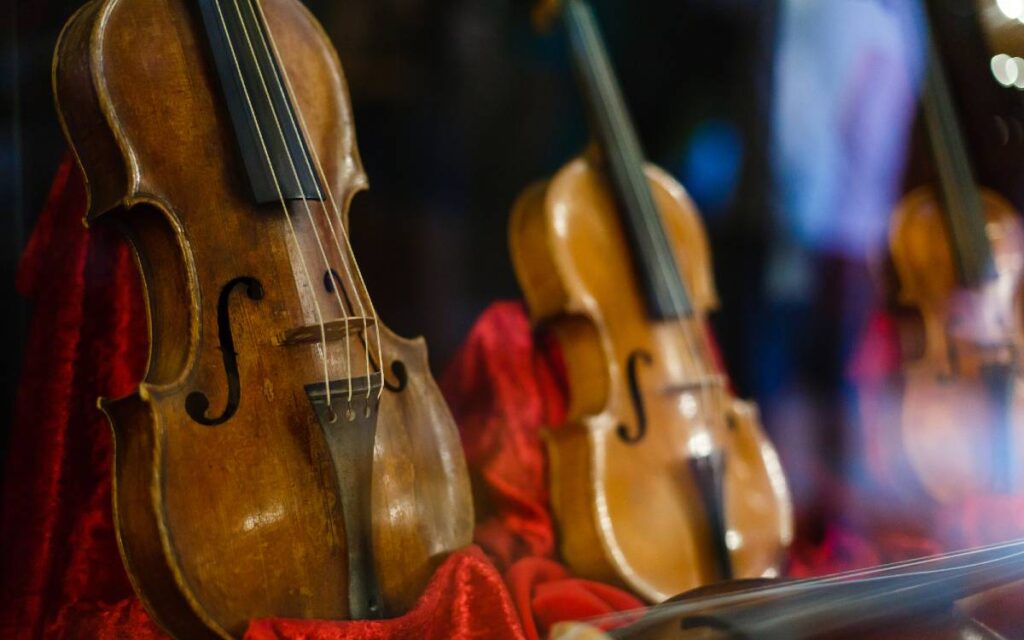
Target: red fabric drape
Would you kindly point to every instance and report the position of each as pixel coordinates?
(61, 574)
(59, 556)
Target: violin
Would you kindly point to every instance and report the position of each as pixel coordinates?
(957, 249)
(286, 455)
(660, 479)
(920, 598)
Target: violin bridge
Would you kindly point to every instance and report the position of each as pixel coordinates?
(350, 428)
(333, 331)
(696, 384)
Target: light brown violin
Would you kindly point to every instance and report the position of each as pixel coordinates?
(958, 254)
(286, 455)
(660, 479)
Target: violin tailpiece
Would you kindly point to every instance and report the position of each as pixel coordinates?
(708, 473)
(350, 428)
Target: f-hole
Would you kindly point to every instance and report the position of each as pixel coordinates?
(401, 376)
(198, 403)
(332, 283)
(330, 278)
(632, 373)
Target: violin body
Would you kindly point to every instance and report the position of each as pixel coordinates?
(227, 501)
(955, 426)
(626, 504)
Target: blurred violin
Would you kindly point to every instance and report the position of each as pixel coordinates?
(903, 601)
(660, 479)
(286, 455)
(958, 253)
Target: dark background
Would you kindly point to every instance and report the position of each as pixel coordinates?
(460, 105)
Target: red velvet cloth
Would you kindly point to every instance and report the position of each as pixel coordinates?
(465, 599)
(503, 390)
(61, 574)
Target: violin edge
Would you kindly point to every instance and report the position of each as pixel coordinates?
(145, 552)
(74, 80)
(80, 109)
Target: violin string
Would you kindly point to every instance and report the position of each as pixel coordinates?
(619, 146)
(897, 586)
(281, 73)
(795, 586)
(280, 194)
(704, 601)
(338, 231)
(737, 597)
(660, 613)
(629, 154)
(263, 31)
(694, 332)
(305, 201)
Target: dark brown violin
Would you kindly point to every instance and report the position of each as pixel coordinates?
(661, 480)
(958, 254)
(286, 454)
(921, 598)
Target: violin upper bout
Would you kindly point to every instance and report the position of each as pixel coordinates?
(925, 279)
(82, 111)
(920, 249)
(124, 150)
(569, 247)
(1005, 231)
(531, 250)
(688, 236)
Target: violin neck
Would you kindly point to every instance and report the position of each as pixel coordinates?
(273, 149)
(665, 292)
(965, 217)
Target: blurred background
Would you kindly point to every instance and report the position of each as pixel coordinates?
(791, 122)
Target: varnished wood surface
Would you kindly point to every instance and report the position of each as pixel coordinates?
(218, 525)
(629, 513)
(948, 416)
